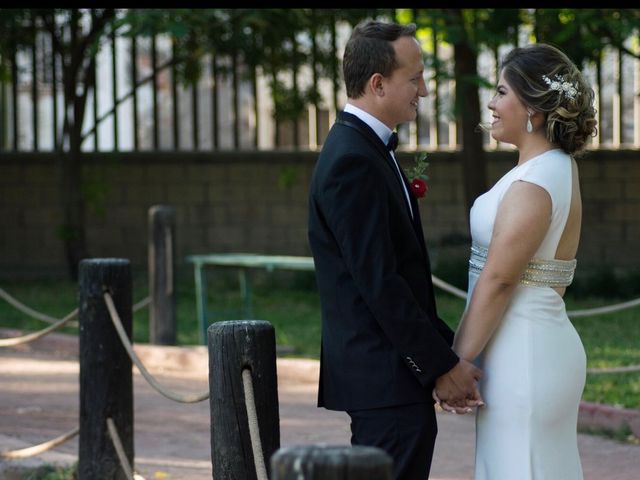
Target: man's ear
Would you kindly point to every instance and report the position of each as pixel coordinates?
(376, 84)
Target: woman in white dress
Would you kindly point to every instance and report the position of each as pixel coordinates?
(525, 234)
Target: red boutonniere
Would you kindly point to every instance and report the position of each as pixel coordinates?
(417, 177)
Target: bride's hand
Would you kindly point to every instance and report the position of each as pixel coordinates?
(460, 407)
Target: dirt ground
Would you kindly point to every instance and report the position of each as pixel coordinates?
(39, 401)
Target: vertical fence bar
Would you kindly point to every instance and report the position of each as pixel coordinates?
(3, 104)
(161, 264)
(328, 462)
(335, 78)
(276, 119)
(597, 140)
(34, 86)
(616, 124)
(415, 127)
(493, 143)
(94, 95)
(236, 99)
(106, 380)
(214, 101)
(636, 96)
(233, 347)
(314, 128)
(134, 91)
(195, 115)
(294, 82)
(154, 92)
(434, 134)
(175, 109)
(54, 91)
(96, 137)
(618, 101)
(256, 106)
(14, 99)
(114, 87)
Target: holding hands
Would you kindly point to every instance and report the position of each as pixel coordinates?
(457, 390)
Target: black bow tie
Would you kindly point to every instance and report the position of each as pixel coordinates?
(392, 144)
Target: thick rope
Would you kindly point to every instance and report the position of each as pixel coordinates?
(627, 369)
(141, 304)
(254, 429)
(448, 287)
(40, 448)
(115, 318)
(11, 342)
(29, 311)
(117, 444)
(571, 313)
(601, 310)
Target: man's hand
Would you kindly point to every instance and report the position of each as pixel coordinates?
(457, 390)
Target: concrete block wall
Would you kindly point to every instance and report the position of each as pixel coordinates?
(257, 202)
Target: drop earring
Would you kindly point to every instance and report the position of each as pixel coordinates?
(529, 124)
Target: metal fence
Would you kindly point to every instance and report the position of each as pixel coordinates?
(138, 104)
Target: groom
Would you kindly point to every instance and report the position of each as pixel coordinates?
(383, 344)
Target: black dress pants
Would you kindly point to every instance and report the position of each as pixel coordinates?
(406, 432)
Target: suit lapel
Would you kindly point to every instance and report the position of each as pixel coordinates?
(354, 122)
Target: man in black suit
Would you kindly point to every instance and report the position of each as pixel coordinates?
(384, 348)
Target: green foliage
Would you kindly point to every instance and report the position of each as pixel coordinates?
(288, 177)
(52, 472)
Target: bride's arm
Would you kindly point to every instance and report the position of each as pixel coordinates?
(521, 223)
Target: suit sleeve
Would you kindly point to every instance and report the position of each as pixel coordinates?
(355, 198)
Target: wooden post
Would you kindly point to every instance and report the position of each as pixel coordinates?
(106, 380)
(162, 310)
(314, 462)
(234, 346)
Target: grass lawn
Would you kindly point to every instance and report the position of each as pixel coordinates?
(290, 302)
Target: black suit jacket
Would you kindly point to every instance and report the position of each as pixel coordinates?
(383, 343)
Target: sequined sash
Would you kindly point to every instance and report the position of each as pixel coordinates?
(539, 272)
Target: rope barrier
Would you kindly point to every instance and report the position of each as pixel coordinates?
(29, 311)
(601, 310)
(115, 318)
(11, 342)
(254, 429)
(40, 448)
(571, 313)
(122, 456)
(627, 369)
(448, 287)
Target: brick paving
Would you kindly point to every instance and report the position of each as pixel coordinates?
(39, 401)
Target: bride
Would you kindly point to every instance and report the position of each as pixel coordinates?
(525, 233)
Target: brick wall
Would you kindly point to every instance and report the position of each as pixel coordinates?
(257, 202)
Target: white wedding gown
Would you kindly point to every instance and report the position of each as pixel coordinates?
(534, 365)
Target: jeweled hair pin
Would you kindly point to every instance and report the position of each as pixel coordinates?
(563, 87)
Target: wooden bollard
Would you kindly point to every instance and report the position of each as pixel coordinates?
(106, 380)
(314, 462)
(234, 346)
(162, 310)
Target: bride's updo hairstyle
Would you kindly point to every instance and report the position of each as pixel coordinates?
(546, 80)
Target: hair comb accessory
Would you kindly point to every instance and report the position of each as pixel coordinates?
(563, 87)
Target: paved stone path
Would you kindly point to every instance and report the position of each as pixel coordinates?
(39, 401)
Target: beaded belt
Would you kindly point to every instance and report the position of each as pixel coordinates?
(540, 273)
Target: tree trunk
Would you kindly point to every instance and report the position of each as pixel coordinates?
(73, 227)
(468, 118)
